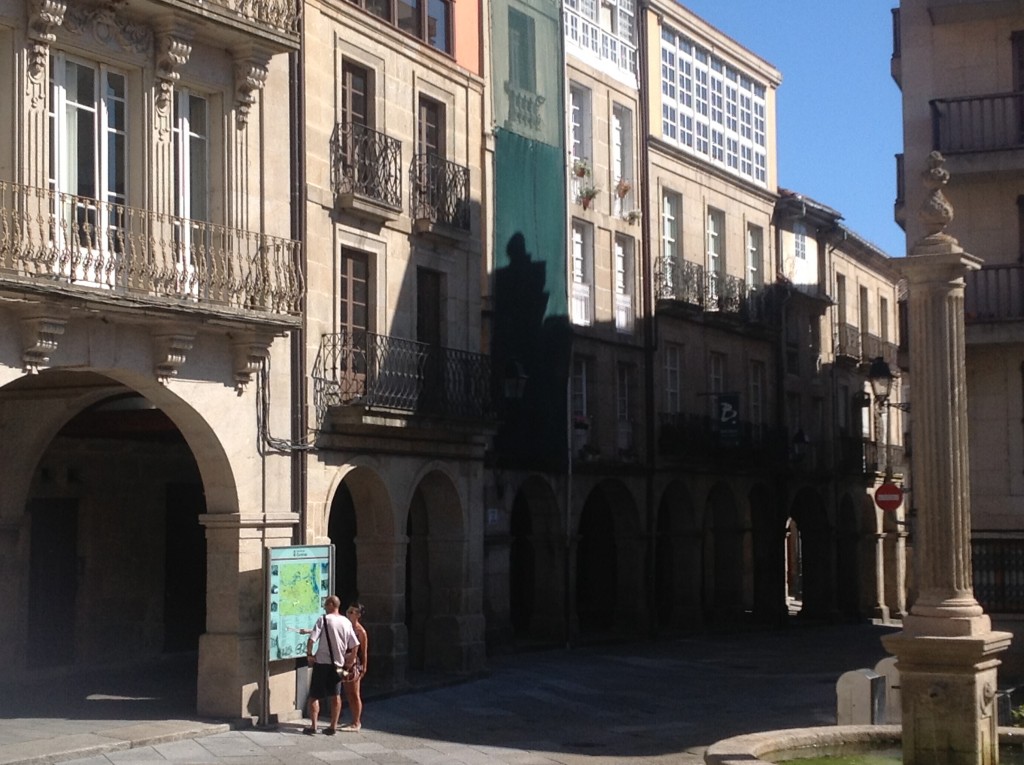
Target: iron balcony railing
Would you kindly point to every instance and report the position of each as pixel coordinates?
(440, 191)
(995, 293)
(848, 341)
(872, 347)
(382, 372)
(55, 239)
(978, 123)
(366, 163)
(700, 437)
(690, 283)
(998, 567)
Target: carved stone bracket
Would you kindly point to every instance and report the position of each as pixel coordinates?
(170, 351)
(250, 76)
(44, 16)
(172, 52)
(250, 353)
(39, 338)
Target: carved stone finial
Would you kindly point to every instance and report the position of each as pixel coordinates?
(172, 53)
(250, 76)
(936, 211)
(44, 16)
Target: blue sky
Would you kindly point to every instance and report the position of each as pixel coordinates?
(839, 122)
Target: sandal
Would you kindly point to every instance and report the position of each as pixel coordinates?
(309, 731)
(330, 731)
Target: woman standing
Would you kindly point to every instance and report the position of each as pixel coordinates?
(353, 682)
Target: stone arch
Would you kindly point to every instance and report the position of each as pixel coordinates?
(677, 557)
(769, 532)
(728, 555)
(537, 563)
(114, 474)
(813, 541)
(435, 574)
(610, 558)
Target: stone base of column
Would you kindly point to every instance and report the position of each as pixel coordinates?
(948, 688)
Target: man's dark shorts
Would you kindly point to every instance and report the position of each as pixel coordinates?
(324, 682)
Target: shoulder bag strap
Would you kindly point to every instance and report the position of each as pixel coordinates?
(327, 635)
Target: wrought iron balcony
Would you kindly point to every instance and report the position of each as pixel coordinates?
(56, 241)
(388, 373)
(978, 123)
(848, 341)
(995, 293)
(872, 346)
(998, 563)
(690, 283)
(440, 191)
(700, 438)
(366, 164)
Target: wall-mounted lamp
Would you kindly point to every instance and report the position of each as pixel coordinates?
(880, 377)
(515, 381)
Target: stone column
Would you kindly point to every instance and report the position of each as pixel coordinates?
(880, 610)
(946, 651)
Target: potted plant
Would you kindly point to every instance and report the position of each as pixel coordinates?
(632, 217)
(622, 187)
(580, 167)
(587, 194)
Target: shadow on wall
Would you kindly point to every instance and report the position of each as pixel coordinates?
(532, 432)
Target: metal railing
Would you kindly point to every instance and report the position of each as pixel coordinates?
(848, 341)
(872, 346)
(382, 372)
(995, 293)
(690, 283)
(699, 437)
(366, 163)
(55, 239)
(998, 567)
(978, 123)
(440, 191)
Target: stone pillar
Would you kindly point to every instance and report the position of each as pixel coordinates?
(946, 651)
(880, 610)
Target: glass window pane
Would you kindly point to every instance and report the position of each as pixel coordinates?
(437, 24)
(408, 17)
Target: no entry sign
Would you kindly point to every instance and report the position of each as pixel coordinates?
(888, 497)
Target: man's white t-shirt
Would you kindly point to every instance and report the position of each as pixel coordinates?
(343, 639)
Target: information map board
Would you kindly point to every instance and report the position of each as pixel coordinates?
(298, 580)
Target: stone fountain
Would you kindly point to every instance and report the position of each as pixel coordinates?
(946, 652)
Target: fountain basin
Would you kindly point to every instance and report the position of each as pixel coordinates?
(807, 742)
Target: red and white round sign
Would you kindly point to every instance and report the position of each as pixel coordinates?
(888, 497)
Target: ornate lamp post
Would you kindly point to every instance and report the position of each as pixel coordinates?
(946, 652)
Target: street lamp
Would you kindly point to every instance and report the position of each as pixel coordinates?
(881, 378)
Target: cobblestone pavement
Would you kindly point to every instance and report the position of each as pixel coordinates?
(643, 703)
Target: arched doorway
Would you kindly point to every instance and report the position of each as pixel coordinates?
(341, 528)
(435, 575)
(677, 557)
(728, 557)
(814, 549)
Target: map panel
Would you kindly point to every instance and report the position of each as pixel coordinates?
(298, 580)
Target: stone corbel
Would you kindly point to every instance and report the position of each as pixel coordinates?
(250, 76)
(44, 16)
(39, 338)
(172, 52)
(170, 351)
(250, 353)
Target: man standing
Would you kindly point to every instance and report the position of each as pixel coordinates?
(335, 641)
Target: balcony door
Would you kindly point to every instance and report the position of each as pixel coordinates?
(431, 173)
(1017, 43)
(192, 234)
(353, 319)
(358, 164)
(88, 169)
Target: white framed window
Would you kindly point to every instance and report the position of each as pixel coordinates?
(755, 256)
(715, 252)
(579, 394)
(673, 392)
(582, 281)
(580, 137)
(712, 109)
(716, 379)
(191, 133)
(624, 280)
(671, 257)
(89, 163)
(800, 240)
(758, 396)
(622, 158)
